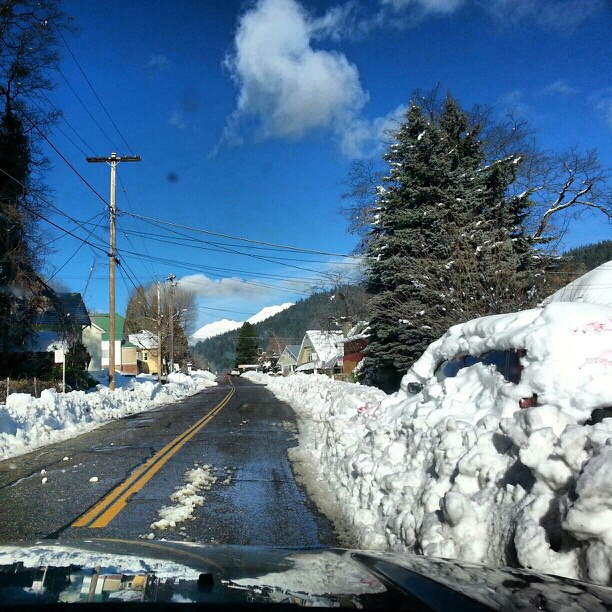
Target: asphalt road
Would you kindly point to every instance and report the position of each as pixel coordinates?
(239, 429)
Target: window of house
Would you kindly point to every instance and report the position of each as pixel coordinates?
(104, 353)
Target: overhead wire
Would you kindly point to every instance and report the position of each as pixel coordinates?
(110, 140)
(198, 268)
(83, 179)
(77, 249)
(229, 249)
(196, 242)
(95, 93)
(40, 95)
(239, 238)
(42, 217)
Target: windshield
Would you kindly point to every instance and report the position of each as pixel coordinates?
(303, 275)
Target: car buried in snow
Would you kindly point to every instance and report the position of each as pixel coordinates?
(552, 356)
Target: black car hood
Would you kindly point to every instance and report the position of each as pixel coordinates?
(114, 571)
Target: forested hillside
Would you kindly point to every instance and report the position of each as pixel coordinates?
(591, 255)
(318, 311)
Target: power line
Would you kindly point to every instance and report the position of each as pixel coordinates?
(37, 214)
(88, 222)
(88, 111)
(273, 258)
(77, 249)
(235, 252)
(64, 159)
(129, 204)
(239, 238)
(63, 117)
(196, 268)
(205, 268)
(92, 89)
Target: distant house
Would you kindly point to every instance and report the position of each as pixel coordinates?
(97, 341)
(354, 344)
(320, 352)
(58, 323)
(288, 358)
(146, 351)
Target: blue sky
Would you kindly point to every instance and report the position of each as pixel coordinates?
(248, 115)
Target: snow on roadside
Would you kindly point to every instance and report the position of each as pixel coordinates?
(27, 423)
(459, 470)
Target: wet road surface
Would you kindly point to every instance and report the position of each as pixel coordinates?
(238, 429)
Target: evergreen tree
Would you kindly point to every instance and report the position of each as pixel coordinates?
(447, 243)
(16, 258)
(28, 54)
(246, 349)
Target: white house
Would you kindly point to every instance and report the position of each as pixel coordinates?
(321, 351)
(288, 358)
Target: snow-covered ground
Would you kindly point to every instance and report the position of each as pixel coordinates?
(27, 423)
(459, 470)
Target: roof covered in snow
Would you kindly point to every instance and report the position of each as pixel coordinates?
(325, 344)
(594, 287)
(62, 308)
(144, 339)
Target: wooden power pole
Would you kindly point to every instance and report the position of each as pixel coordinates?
(113, 160)
(171, 318)
(159, 334)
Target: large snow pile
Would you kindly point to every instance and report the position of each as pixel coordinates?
(459, 470)
(594, 287)
(27, 423)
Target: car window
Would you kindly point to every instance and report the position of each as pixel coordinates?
(507, 363)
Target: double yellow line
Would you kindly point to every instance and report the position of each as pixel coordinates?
(102, 513)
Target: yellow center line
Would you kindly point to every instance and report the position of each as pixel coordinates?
(116, 500)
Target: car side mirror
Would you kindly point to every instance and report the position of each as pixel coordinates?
(414, 388)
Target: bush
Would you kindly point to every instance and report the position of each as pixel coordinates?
(76, 378)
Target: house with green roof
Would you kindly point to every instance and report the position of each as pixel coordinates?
(97, 340)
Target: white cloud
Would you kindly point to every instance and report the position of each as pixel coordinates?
(223, 287)
(177, 120)
(158, 61)
(559, 15)
(366, 138)
(442, 7)
(285, 85)
(603, 104)
(559, 87)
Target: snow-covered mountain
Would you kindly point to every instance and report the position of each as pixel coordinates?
(267, 312)
(216, 328)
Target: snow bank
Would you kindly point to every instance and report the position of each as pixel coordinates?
(27, 423)
(459, 470)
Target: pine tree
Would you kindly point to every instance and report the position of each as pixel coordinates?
(446, 244)
(246, 349)
(16, 258)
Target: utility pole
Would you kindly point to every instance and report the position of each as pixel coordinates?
(171, 318)
(113, 160)
(159, 334)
